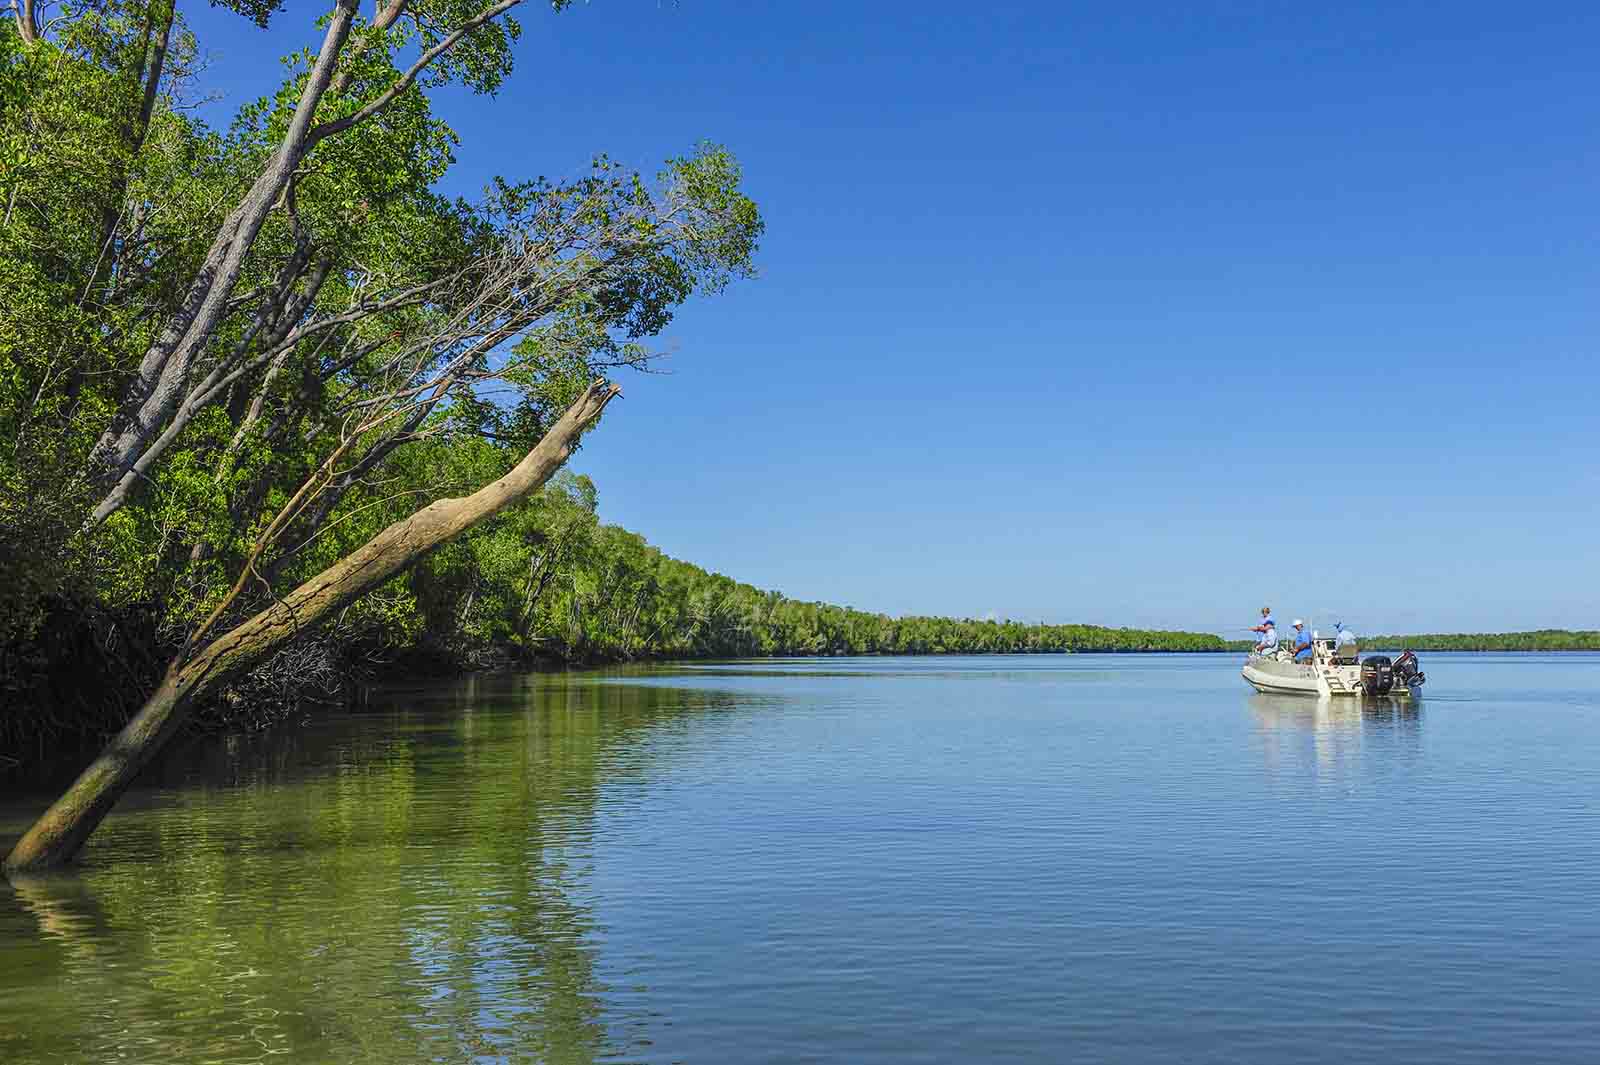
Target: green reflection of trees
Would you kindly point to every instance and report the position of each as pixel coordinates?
(411, 885)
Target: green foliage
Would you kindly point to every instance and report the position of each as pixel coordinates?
(381, 346)
(258, 11)
(547, 581)
(1538, 640)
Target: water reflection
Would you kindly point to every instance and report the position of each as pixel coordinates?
(408, 885)
(650, 867)
(1338, 740)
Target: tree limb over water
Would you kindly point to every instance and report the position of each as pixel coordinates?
(249, 377)
(56, 836)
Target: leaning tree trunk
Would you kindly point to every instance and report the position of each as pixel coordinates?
(63, 828)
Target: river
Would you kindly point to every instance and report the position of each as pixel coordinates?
(978, 859)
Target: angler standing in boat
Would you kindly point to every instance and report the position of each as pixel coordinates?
(1268, 630)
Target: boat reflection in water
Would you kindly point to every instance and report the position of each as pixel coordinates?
(1337, 740)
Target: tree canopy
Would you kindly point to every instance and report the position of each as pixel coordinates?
(248, 374)
(549, 580)
(245, 350)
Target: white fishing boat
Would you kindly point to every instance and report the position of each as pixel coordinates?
(1330, 673)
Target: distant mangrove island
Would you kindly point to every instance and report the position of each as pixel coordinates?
(1537, 640)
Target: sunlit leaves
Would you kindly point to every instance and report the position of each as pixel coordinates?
(257, 11)
(399, 345)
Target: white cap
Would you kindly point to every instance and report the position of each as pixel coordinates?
(1298, 623)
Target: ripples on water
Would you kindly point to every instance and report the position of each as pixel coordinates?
(1032, 859)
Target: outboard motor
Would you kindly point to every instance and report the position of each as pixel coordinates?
(1377, 675)
(1408, 671)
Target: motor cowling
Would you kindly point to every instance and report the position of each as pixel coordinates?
(1377, 675)
(1408, 671)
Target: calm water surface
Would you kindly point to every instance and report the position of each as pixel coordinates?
(1035, 859)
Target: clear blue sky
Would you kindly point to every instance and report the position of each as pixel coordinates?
(1127, 313)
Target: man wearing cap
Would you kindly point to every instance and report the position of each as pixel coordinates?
(1302, 642)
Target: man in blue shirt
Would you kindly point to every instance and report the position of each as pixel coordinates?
(1344, 644)
(1302, 642)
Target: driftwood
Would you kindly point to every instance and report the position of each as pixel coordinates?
(58, 833)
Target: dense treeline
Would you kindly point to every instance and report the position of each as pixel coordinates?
(251, 373)
(1538, 640)
(550, 581)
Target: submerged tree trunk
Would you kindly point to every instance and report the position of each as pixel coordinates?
(61, 830)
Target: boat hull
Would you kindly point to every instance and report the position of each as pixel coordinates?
(1277, 677)
(1322, 679)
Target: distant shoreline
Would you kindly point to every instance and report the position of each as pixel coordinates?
(1532, 640)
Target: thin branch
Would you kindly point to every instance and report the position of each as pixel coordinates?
(308, 491)
(328, 129)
